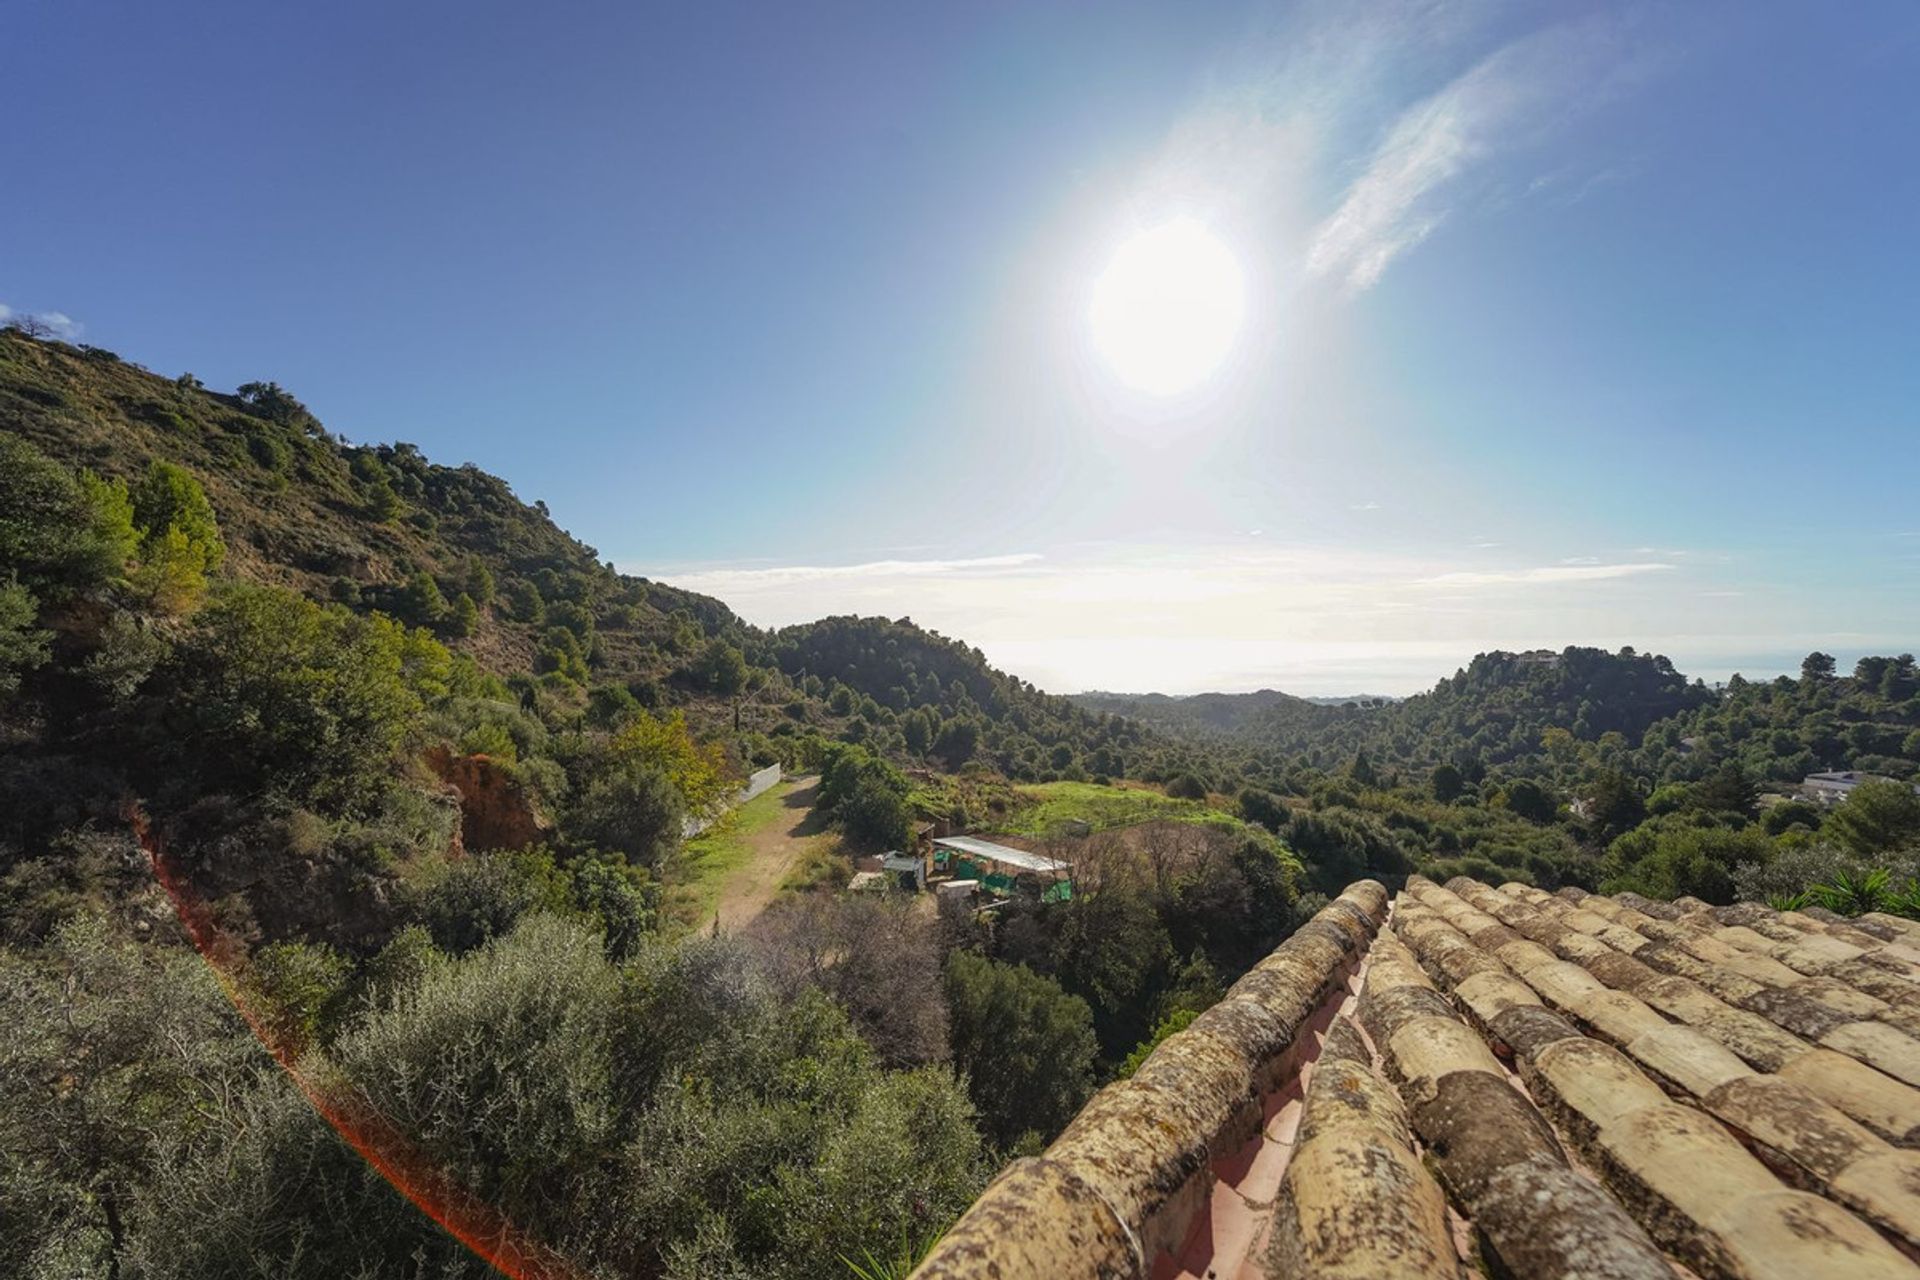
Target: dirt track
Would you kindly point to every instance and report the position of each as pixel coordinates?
(775, 848)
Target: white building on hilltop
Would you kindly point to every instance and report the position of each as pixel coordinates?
(1831, 788)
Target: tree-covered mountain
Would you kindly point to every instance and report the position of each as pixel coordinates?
(1493, 712)
(368, 526)
(1225, 713)
(940, 699)
(1779, 730)
(1542, 713)
(1583, 767)
(453, 550)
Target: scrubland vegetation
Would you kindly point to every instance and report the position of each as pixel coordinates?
(245, 657)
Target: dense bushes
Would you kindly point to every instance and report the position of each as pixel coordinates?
(23, 646)
(866, 797)
(675, 1116)
(1683, 855)
(633, 811)
(1878, 817)
(876, 958)
(1026, 1047)
(271, 690)
(59, 532)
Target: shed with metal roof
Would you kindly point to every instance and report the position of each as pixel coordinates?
(1001, 868)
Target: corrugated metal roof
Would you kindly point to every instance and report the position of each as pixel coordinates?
(1001, 853)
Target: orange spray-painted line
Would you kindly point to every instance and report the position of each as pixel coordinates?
(470, 1220)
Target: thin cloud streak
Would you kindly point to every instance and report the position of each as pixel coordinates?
(1505, 102)
(720, 581)
(1548, 574)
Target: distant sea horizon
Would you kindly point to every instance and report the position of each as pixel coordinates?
(1330, 682)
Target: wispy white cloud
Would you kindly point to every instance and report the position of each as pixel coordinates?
(721, 581)
(55, 323)
(1547, 574)
(1364, 506)
(1507, 101)
(1686, 555)
(1569, 185)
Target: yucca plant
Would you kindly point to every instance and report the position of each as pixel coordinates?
(1852, 893)
(899, 1261)
(1791, 901)
(1904, 901)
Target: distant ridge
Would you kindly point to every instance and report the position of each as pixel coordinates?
(1340, 700)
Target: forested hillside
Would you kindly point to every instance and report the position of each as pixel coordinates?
(410, 767)
(939, 698)
(1493, 712)
(371, 527)
(1532, 712)
(1224, 713)
(1582, 767)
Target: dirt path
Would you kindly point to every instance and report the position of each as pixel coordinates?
(774, 848)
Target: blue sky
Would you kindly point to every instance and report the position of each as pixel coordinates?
(1563, 324)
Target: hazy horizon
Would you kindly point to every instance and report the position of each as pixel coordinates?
(1214, 619)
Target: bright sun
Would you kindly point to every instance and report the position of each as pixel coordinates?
(1166, 310)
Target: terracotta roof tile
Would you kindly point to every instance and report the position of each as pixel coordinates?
(1586, 1084)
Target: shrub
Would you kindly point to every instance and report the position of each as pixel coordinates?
(517, 1033)
(867, 797)
(172, 573)
(1025, 1046)
(1528, 799)
(169, 499)
(483, 897)
(270, 452)
(1675, 857)
(1172, 1024)
(1262, 808)
(1877, 817)
(1187, 787)
(301, 989)
(634, 810)
(309, 699)
(59, 533)
(875, 957)
(23, 647)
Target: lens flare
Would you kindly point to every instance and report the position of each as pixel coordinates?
(471, 1221)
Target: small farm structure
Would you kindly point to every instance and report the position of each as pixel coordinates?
(905, 870)
(1001, 869)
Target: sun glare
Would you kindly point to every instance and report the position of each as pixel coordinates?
(1167, 309)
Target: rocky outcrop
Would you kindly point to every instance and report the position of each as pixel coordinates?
(496, 810)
